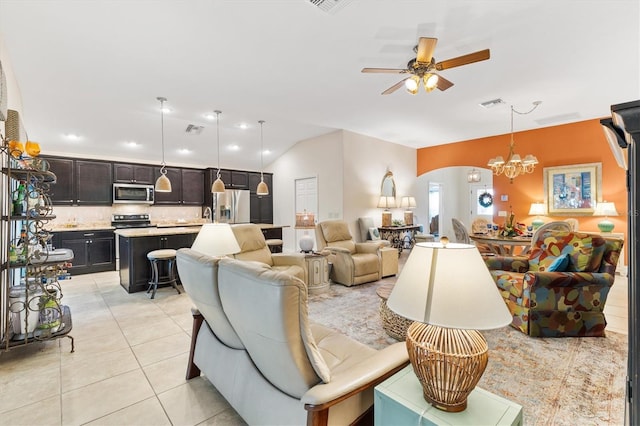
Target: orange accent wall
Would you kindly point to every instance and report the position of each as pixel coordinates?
(575, 143)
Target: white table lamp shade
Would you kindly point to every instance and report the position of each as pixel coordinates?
(537, 209)
(216, 239)
(448, 287)
(387, 202)
(408, 203)
(605, 208)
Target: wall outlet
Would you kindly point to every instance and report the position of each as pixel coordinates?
(502, 213)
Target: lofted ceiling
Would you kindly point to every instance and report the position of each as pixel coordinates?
(95, 68)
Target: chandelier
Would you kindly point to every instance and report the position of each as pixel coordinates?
(514, 165)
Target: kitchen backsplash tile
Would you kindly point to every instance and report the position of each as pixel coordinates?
(67, 216)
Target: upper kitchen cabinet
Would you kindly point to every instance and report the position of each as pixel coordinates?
(94, 182)
(239, 180)
(175, 177)
(81, 182)
(62, 192)
(193, 187)
(133, 173)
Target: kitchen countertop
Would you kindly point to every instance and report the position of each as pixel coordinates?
(82, 227)
(151, 232)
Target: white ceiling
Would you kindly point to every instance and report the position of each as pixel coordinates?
(94, 68)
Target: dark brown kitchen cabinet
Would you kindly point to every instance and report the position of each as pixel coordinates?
(93, 251)
(133, 173)
(175, 196)
(261, 208)
(81, 182)
(239, 180)
(93, 180)
(193, 187)
(135, 271)
(62, 192)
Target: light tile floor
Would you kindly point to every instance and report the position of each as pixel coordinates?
(130, 362)
(128, 367)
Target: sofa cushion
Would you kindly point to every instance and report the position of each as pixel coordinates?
(268, 310)
(252, 244)
(199, 276)
(560, 264)
(335, 231)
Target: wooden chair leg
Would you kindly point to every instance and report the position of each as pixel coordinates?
(192, 368)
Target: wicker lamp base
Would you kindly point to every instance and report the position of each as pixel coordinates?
(448, 362)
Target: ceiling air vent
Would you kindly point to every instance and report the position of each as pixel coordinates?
(192, 129)
(330, 6)
(492, 103)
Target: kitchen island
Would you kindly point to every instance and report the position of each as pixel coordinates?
(135, 243)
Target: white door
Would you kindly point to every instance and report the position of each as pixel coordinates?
(480, 208)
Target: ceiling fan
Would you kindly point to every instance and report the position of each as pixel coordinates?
(423, 68)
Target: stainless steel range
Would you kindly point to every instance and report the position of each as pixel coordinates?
(123, 221)
(120, 221)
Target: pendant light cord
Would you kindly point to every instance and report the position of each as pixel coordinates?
(163, 169)
(218, 138)
(261, 151)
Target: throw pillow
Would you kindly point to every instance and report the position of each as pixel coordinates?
(560, 264)
(374, 234)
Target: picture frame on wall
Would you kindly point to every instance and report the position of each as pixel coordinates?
(573, 190)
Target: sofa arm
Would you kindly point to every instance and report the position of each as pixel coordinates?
(368, 248)
(507, 263)
(546, 279)
(365, 374)
(282, 259)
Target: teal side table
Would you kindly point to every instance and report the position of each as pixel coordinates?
(398, 401)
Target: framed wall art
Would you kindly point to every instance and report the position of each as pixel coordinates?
(573, 190)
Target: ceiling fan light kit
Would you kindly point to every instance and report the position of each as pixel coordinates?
(423, 68)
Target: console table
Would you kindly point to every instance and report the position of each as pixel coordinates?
(396, 235)
(399, 401)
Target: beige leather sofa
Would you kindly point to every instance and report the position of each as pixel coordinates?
(252, 339)
(353, 263)
(254, 247)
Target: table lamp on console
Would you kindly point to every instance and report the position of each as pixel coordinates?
(386, 203)
(605, 209)
(537, 210)
(306, 221)
(408, 203)
(448, 303)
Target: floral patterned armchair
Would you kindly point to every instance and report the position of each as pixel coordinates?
(561, 288)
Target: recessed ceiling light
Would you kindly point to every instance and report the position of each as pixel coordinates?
(266, 152)
(166, 110)
(184, 151)
(72, 137)
(132, 144)
(233, 147)
(210, 116)
(243, 126)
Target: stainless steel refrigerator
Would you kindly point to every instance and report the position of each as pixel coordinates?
(232, 206)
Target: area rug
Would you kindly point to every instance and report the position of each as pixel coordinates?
(562, 381)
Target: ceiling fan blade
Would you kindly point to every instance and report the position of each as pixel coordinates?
(443, 83)
(480, 55)
(395, 87)
(384, 70)
(426, 46)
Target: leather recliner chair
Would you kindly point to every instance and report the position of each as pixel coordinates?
(353, 263)
(254, 342)
(253, 246)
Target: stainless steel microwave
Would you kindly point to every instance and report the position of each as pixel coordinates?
(132, 193)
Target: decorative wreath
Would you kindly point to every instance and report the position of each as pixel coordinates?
(485, 199)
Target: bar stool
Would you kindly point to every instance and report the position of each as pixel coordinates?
(275, 245)
(156, 256)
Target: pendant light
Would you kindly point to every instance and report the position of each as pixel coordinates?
(163, 184)
(218, 185)
(262, 189)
